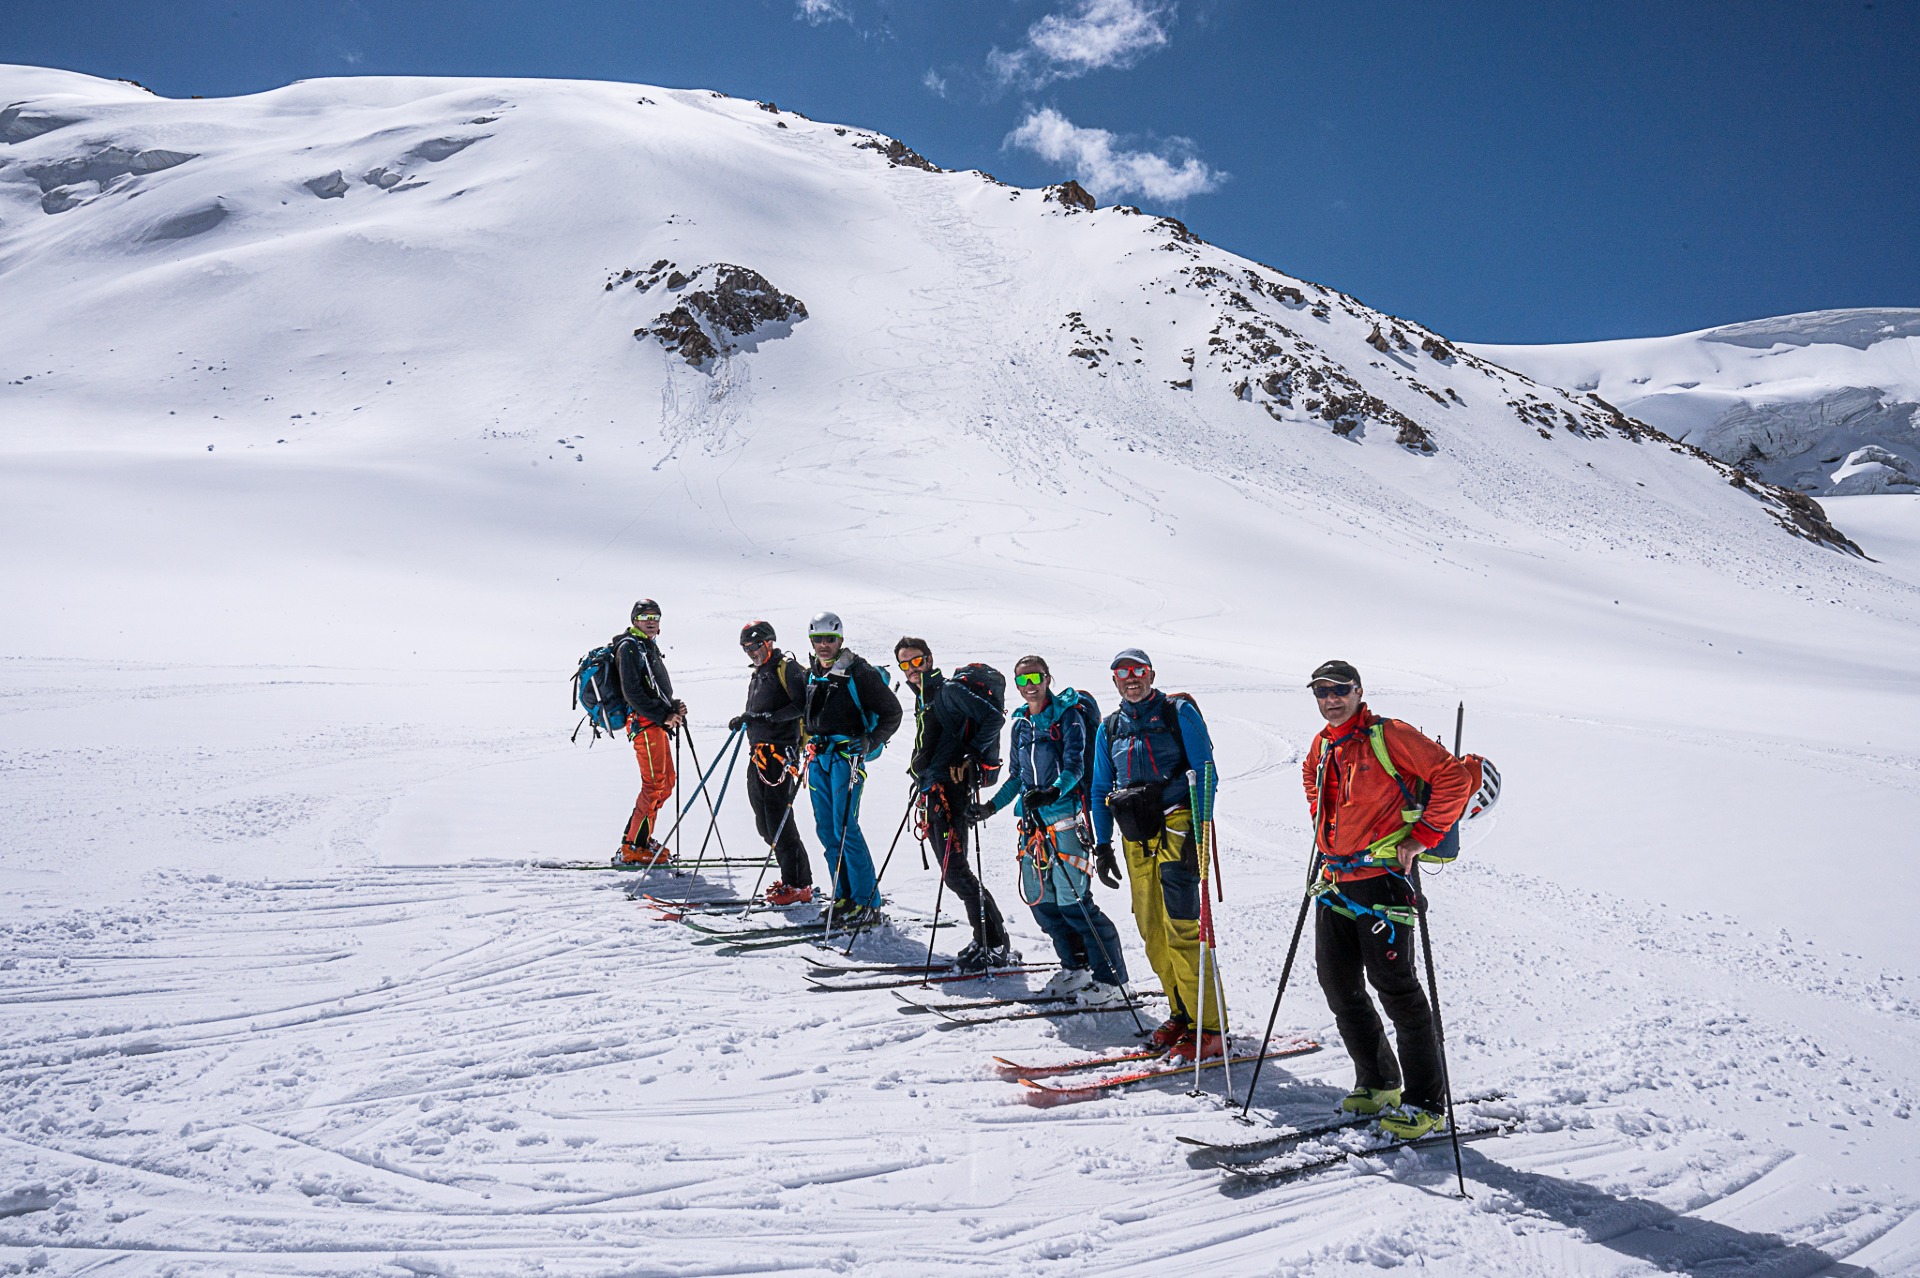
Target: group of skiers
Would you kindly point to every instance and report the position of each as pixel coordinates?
(1380, 793)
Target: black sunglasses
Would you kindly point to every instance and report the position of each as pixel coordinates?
(1322, 691)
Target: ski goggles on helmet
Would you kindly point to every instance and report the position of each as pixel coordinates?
(911, 664)
(1132, 672)
(1322, 691)
(1030, 678)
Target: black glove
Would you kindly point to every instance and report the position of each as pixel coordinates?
(978, 812)
(736, 723)
(1105, 866)
(1038, 797)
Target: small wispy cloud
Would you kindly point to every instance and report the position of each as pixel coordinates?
(819, 11)
(1091, 36)
(935, 83)
(1111, 170)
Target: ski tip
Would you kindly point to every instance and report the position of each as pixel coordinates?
(1045, 1097)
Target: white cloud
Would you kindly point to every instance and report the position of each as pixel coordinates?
(1110, 171)
(1094, 35)
(819, 11)
(935, 83)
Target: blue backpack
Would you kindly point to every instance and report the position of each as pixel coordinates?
(596, 691)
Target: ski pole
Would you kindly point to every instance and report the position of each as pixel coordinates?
(1094, 932)
(703, 783)
(788, 775)
(1439, 1032)
(911, 796)
(676, 792)
(713, 813)
(713, 826)
(1433, 987)
(846, 824)
(1197, 803)
(1286, 969)
(933, 931)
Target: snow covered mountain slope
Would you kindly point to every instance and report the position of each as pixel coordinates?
(335, 422)
(1827, 402)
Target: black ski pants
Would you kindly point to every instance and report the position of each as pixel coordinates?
(1344, 950)
(770, 792)
(947, 831)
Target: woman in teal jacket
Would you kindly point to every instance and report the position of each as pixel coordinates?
(1046, 784)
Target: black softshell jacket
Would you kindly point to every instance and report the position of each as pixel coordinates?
(774, 712)
(831, 711)
(644, 684)
(954, 724)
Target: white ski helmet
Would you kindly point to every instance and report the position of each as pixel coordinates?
(1487, 795)
(825, 625)
(1477, 822)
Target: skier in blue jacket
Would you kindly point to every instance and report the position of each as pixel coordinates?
(1047, 786)
(1141, 758)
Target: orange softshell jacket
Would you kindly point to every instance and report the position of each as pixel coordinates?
(1362, 803)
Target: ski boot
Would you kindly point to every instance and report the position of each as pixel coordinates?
(1171, 1031)
(856, 916)
(971, 958)
(1066, 981)
(781, 894)
(643, 857)
(1001, 957)
(1201, 1045)
(1410, 1122)
(1370, 1100)
(1100, 994)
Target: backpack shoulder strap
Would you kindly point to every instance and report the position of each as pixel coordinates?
(1170, 716)
(1377, 738)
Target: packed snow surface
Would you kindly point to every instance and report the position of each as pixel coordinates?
(1827, 402)
(339, 420)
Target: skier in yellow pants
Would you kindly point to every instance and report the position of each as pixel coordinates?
(1142, 755)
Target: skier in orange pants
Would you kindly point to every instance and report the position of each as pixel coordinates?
(654, 717)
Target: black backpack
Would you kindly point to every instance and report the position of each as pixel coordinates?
(988, 683)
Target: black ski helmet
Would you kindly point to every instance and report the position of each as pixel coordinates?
(645, 608)
(756, 632)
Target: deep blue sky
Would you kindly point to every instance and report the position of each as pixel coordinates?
(1501, 171)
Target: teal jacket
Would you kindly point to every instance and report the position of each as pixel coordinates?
(1050, 748)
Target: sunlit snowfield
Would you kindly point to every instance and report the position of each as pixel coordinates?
(283, 727)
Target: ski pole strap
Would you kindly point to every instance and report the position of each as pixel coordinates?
(1327, 892)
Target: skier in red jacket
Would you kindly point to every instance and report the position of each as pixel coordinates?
(1380, 793)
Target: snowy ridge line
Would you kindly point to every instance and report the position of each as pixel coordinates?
(1249, 344)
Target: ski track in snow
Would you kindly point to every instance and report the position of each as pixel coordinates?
(486, 1068)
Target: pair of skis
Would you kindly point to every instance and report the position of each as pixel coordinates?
(1286, 1156)
(1047, 1095)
